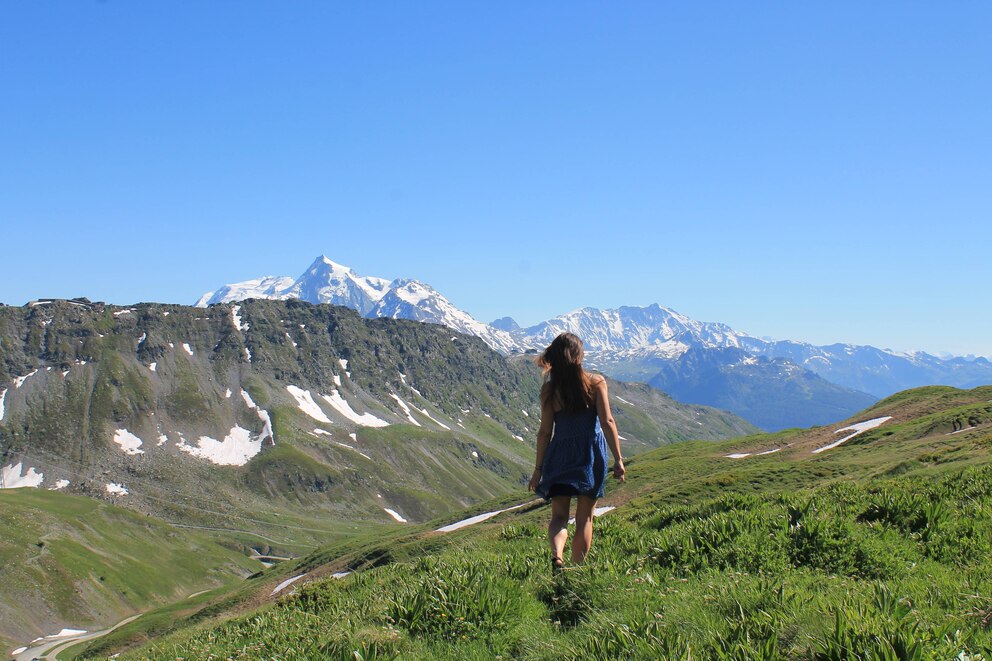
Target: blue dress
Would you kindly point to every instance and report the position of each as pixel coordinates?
(575, 462)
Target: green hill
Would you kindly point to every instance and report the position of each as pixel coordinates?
(876, 548)
(72, 559)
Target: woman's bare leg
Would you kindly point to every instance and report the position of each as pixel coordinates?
(557, 530)
(582, 541)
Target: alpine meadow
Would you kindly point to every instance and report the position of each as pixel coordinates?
(448, 331)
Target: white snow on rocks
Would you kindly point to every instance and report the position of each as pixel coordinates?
(228, 394)
(187, 348)
(341, 406)
(236, 319)
(237, 448)
(248, 354)
(623, 400)
(129, 442)
(116, 489)
(395, 515)
(3, 397)
(290, 338)
(60, 484)
(857, 428)
(337, 380)
(344, 366)
(432, 418)
(141, 340)
(19, 381)
(13, 479)
(406, 409)
(262, 414)
(304, 400)
(152, 366)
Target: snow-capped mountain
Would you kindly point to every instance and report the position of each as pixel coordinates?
(329, 282)
(657, 330)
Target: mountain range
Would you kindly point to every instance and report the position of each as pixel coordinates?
(811, 384)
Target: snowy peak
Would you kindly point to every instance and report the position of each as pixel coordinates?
(659, 329)
(270, 286)
(326, 281)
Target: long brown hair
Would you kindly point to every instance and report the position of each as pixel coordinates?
(567, 383)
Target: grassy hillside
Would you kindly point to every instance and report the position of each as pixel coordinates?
(73, 561)
(875, 549)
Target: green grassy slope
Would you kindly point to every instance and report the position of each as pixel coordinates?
(69, 561)
(876, 549)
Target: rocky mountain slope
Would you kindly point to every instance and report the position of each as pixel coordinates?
(646, 344)
(260, 408)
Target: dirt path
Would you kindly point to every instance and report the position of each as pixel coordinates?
(50, 649)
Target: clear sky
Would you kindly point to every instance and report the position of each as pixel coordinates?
(813, 171)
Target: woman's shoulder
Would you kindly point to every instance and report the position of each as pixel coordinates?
(596, 380)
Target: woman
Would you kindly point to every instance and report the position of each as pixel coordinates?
(571, 449)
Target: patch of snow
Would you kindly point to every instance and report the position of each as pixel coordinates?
(237, 448)
(354, 449)
(65, 374)
(12, 478)
(60, 484)
(3, 397)
(248, 354)
(120, 312)
(228, 394)
(285, 584)
(525, 413)
(340, 574)
(165, 314)
(19, 650)
(129, 443)
(19, 381)
(519, 438)
(465, 410)
(623, 400)
(598, 511)
(858, 428)
(322, 432)
(116, 489)
(435, 420)
(475, 454)
(737, 455)
(406, 409)
(152, 366)
(395, 515)
(353, 436)
(171, 345)
(141, 340)
(186, 347)
(236, 319)
(162, 440)
(290, 338)
(478, 518)
(337, 380)
(304, 400)
(341, 406)
(262, 414)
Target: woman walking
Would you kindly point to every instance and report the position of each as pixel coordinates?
(571, 447)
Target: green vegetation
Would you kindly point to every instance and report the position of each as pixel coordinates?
(875, 550)
(67, 558)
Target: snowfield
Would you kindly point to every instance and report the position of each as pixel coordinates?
(237, 448)
(13, 479)
(129, 443)
(858, 428)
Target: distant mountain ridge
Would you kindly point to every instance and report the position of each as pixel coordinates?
(326, 281)
(646, 344)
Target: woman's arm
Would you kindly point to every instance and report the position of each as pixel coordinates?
(609, 427)
(543, 438)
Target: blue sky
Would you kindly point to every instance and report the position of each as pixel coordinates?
(814, 171)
